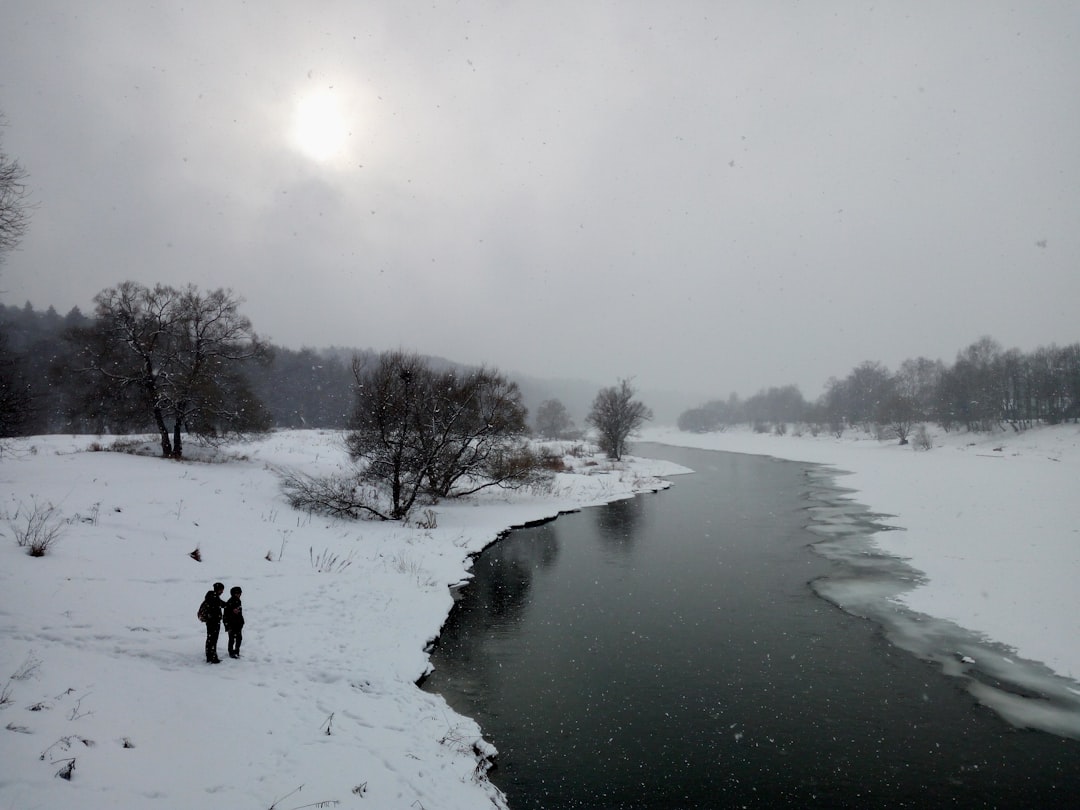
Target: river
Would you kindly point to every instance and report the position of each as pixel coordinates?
(675, 650)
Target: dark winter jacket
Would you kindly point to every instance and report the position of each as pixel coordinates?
(213, 605)
(234, 613)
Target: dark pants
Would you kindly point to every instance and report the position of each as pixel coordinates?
(212, 631)
(236, 635)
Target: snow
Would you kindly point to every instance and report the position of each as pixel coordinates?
(102, 659)
(990, 526)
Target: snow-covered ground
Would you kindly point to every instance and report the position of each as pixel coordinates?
(102, 664)
(990, 524)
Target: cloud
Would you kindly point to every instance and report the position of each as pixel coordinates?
(709, 198)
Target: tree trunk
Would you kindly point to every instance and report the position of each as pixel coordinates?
(177, 448)
(166, 445)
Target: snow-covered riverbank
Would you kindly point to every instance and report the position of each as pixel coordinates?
(101, 663)
(102, 658)
(992, 521)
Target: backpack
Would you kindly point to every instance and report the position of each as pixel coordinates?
(202, 611)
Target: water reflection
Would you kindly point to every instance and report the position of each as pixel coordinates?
(503, 588)
(616, 524)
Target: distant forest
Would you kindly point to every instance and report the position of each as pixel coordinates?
(42, 391)
(984, 388)
(299, 388)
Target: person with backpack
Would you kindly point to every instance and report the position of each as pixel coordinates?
(234, 621)
(210, 612)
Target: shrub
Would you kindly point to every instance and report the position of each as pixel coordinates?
(552, 460)
(134, 446)
(27, 669)
(922, 440)
(327, 562)
(37, 527)
(341, 497)
(428, 520)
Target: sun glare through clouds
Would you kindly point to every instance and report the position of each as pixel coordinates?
(319, 125)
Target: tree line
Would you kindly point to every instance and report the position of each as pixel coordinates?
(39, 361)
(45, 357)
(183, 362)
(985, 388)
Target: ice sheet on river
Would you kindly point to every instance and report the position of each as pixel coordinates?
(1026, 693)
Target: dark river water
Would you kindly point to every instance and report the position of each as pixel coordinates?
(674, 651)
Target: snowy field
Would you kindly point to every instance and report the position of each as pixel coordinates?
(102, 666)
(102, 669)
(990, 523)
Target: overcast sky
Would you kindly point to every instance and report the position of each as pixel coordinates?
(707, 196)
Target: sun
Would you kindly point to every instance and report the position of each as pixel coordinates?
(320, 128)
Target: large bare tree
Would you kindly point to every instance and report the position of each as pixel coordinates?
(422, 434)
(174, 355)
(388, 426)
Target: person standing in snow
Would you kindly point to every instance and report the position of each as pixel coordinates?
(210, 612)
(234, 621)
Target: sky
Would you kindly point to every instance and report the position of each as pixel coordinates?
(707, 197)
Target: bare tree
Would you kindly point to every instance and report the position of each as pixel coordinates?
(477, 436)
(970, 390)
(387, 426)
(424, 435)
(173, 355)
(15, 401)
(553, 420)
(868, 385)
(896, 416)
(14, 202)
(209, 395)
(919, 380)
(616, 415)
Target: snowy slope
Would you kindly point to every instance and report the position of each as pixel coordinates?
(102, 658)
